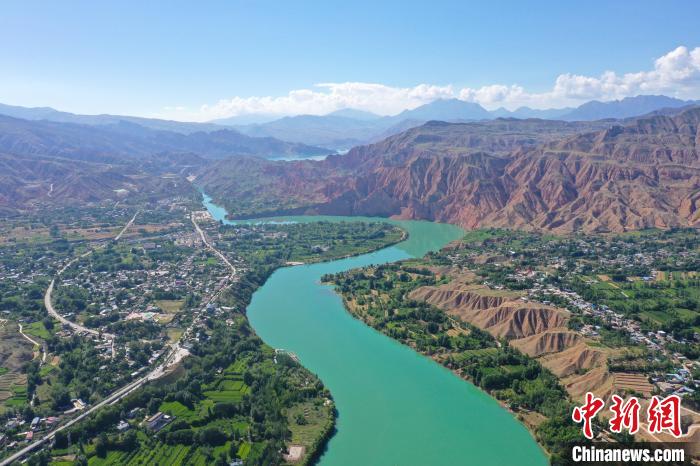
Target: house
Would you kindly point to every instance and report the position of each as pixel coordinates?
(684, 391)
(123, 426)
(35, 423)
(158, 421)
(12, 424)
(50, 421)
(665, 387)
(79, 404)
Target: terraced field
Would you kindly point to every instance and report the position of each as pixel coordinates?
(161, 454)
(15, 351)
(17, 391)
(230, 387)
(180, 411)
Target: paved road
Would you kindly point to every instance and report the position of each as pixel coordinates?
(75, 326)
(175, 355)
(111, 399)
(126, 227)
(206, 242)
(47, 296)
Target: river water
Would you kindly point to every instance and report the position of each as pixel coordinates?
(396, 407)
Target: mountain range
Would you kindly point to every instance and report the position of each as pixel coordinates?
(348, 127)
(600, 176)
(345, 128)
(53, 161)
(125, 140)
(50, 114)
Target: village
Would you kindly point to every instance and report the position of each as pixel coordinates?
(147, 314)
(621, 293)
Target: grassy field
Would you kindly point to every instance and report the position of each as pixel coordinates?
(170, 306)
(46, 369)
(174, 333)
(315, 417)
(37, 329)
(672, 296)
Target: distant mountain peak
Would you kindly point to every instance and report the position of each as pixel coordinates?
(354, 114)
(624, 108)
(446, 109)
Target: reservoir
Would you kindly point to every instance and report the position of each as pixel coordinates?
(395, 406)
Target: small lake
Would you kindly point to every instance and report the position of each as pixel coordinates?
(294, 158)
(396, 407)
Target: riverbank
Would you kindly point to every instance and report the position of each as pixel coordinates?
(529, 418)
(235, 397)
(386, 394)
(403, 237)
(383, 298)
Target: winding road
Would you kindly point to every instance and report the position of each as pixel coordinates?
(34, 342)
(118, 394)
(174, 356)
(47, 296)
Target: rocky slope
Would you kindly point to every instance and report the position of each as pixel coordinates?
(532, 174)
(537, 330)
(30, 181)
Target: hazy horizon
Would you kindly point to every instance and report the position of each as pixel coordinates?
(190, 63)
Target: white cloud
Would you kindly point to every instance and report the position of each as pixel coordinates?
(676, 73)
(325, 98)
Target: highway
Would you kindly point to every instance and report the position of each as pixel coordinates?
(175, 355)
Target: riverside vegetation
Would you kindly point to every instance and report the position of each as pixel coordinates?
(232, 398)
(626, 305)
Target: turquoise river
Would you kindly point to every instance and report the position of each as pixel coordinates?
(395, 406)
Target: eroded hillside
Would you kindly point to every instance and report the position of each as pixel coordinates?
(531, 174)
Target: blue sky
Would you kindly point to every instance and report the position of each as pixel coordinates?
(195, 60)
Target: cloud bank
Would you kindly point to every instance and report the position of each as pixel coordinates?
(676, 74)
